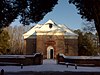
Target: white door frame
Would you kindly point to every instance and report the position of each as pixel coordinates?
(48, 51)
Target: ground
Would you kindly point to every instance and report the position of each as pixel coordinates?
(49, 66)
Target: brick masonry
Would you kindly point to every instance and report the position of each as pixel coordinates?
(59, 43)
(30, 46)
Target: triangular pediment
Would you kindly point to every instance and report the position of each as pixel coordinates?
(50, 28)
(50, 22)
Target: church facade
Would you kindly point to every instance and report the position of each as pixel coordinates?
(50, 39)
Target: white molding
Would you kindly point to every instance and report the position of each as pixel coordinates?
(48, 51)
(57, 29)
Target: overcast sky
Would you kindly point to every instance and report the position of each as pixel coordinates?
(63, 13)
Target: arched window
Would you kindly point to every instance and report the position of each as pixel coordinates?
(50, 25)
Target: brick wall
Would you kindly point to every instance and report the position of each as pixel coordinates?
(30, 45)
(71, 47)
(58, 42)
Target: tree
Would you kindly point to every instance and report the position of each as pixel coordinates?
(4, 42)
(81, 51)
(16, 38)
(86, 43)
(97, 44)
(89, 10)
(30, 11)
(89, 27)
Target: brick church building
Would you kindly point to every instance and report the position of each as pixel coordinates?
(50, 39)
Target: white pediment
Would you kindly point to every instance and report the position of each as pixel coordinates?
(50, 28)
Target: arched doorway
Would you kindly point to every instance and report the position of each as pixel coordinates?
(50, 52)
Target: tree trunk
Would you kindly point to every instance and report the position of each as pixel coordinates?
(97, 25)
(96, 17)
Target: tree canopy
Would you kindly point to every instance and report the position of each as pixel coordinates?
(30, 11)
(86, 43)
(4, 41)
(89, 10)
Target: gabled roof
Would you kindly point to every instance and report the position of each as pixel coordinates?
(55, 28)
(68, 31)
(45, 27)
(32, 31)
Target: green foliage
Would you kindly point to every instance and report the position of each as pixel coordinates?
(30, 11)
(4, 42)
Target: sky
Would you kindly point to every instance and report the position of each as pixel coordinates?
(63, 13)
